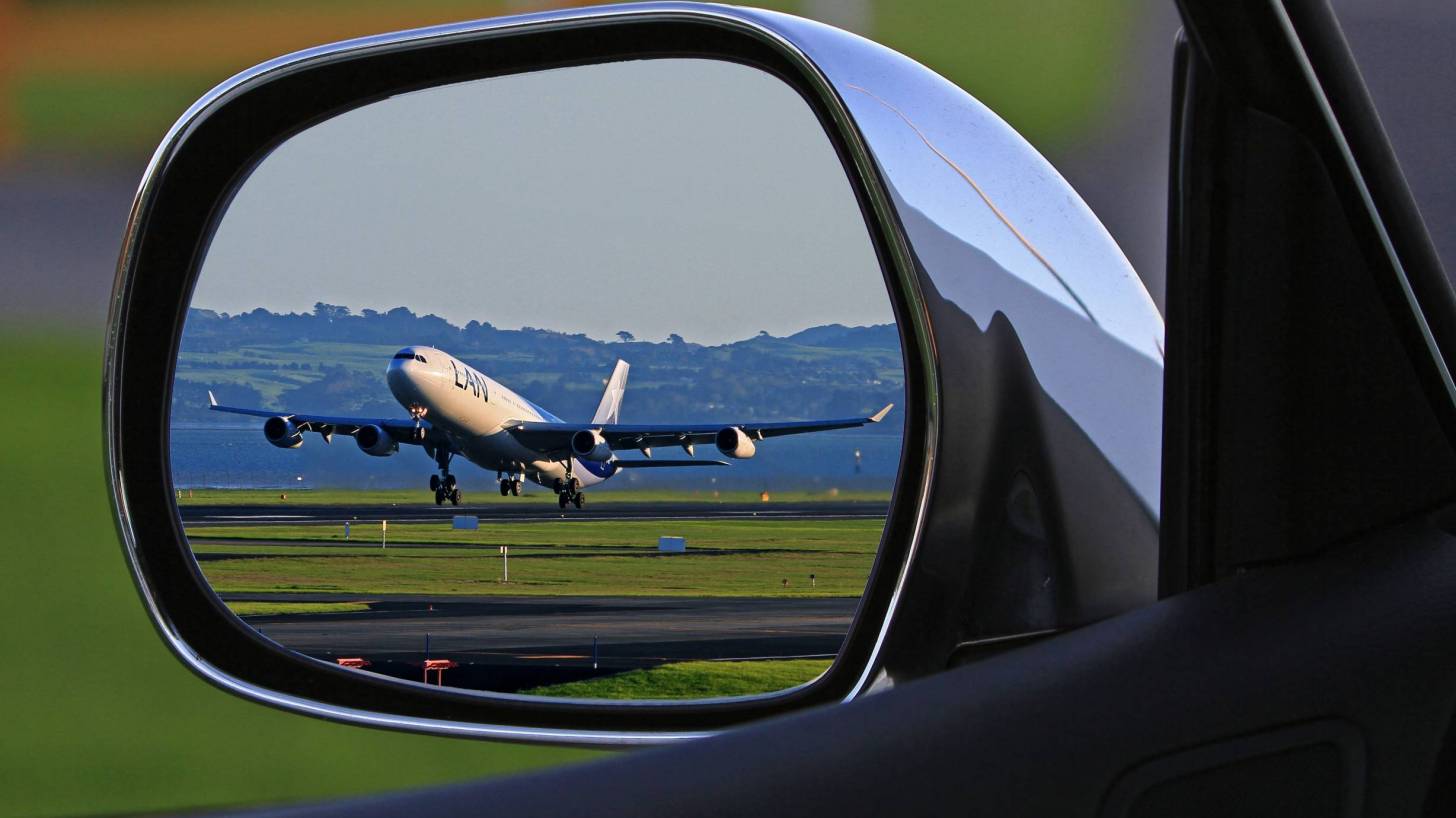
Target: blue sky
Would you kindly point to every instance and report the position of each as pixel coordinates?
(685, 195)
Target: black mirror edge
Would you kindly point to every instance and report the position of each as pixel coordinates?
(185, 190)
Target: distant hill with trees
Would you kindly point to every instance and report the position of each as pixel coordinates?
(332, 360)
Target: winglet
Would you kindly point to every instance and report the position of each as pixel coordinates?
(880, 415)
(211, 401)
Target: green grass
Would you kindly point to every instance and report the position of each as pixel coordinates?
(859, 536)
(1048, 67)
(99, 716)
(693, 680)
(739, 558)
(420, 497)
(86, 112)
(262, 366)
(277, 608)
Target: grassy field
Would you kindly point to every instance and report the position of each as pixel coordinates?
(693, 680)
(99, 716)
(418, 497)
(582, 558)
(262, 366)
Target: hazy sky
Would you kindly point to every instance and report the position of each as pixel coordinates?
(685, 195)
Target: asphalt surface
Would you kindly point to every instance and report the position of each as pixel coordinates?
(513, 643)
(632, 630)
(526, 510)
(510, 643)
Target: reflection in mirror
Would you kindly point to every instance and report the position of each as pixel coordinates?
(573, 383)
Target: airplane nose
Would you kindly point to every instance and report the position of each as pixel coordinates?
(404, 376)
(410, 375)
(398, 378)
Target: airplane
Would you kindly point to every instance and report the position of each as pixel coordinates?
(455, 410)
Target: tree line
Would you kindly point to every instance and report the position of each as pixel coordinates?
(825, 371)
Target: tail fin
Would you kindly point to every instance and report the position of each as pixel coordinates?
(611, 403)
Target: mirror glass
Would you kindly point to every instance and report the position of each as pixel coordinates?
(581, 383)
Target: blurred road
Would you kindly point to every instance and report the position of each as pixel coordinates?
(60, 230)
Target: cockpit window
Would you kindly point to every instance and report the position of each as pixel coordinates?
(421, 359)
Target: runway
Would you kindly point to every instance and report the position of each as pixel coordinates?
(528, 509)
(510, 643)
(507, 643)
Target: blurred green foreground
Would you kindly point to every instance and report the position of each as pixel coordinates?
(97, 715)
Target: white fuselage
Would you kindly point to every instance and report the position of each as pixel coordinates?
(471, 410)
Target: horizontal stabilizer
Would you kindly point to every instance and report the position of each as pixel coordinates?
(661, 464)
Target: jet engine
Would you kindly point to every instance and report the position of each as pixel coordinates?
(282, 433)
(375, 441)
(590, 445)
(732, 442)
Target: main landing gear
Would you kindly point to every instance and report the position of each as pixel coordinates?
(443, 484)
(510, 484)
(568, 490)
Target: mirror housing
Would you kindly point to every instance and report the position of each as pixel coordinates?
(1027, 497)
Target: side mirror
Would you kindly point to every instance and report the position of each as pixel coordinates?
(472, 167)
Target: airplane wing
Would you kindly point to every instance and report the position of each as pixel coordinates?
(552, 438)
(401, 429)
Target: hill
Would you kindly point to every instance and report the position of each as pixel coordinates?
(333, 361)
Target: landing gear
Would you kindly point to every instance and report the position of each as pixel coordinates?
(444, 484)
(510, 484)
(568, 490)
